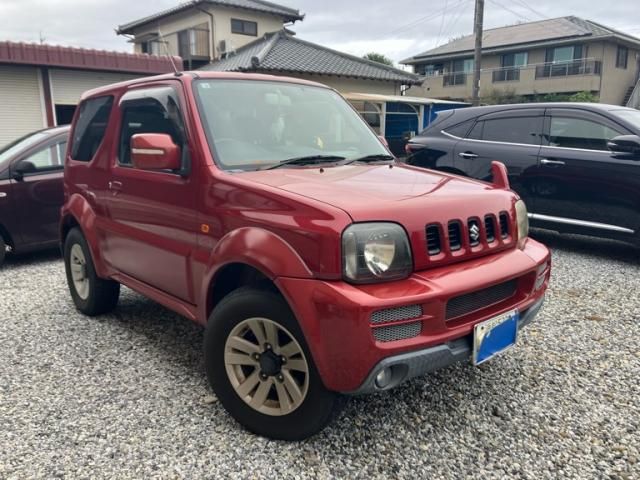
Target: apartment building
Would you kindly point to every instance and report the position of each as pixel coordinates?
(557, 56)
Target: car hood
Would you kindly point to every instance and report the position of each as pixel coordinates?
(384, 192)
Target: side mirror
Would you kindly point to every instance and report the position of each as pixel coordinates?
(625, 144)
(154, 151)
(23, 168)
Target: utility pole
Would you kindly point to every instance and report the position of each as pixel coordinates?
(477, 55)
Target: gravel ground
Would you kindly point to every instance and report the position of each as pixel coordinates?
(125, 395)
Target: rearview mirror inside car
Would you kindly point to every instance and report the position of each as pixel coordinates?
(625, 144)
(154, 151)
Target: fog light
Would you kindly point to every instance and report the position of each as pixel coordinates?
(383, 379)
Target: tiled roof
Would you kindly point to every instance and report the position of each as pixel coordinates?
(525, 33)
(85, 59)
(281, 52)
(288, 14)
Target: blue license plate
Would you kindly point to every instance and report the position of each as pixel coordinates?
(495, 336)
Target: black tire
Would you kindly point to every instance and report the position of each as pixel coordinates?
(3, 250)
(319, 406)
(102, 294)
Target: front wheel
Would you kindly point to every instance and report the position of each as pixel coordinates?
(260, 367)
(91, 294)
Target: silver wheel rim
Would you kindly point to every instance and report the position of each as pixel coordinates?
(78, 265)
(266, 366)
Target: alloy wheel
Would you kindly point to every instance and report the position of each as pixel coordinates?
(78, 265)
(266, 366)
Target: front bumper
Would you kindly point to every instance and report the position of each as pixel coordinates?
(337, 318)
(413, 364)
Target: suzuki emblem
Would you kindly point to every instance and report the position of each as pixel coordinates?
(474, 232)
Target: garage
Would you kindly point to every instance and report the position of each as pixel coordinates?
(20, 96)
(40, 85)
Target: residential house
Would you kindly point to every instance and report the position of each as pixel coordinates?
(201, 31)
(254, 36)
(281, 53)
(40, 85)
(561, 55)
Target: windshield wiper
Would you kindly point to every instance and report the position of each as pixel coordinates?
(309, 159)
(381, 157)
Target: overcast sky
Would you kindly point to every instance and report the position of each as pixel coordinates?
(397, 28)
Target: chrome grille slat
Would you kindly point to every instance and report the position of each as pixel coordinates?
(474, 301)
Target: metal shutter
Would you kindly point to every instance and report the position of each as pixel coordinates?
(21, 108)
(68, 85)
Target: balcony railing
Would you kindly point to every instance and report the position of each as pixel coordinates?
(455, 78)
(510, 74)
(565, 69)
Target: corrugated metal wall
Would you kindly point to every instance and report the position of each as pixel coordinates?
(21, 108)
(68, 85)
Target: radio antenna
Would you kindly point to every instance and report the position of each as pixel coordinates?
(176, 72)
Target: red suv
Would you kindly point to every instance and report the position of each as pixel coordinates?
(266, 209)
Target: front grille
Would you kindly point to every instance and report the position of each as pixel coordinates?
(455, 235)
(471, 302)
(504, 225)
(396, 314)
(392, 333)
(490, 228)
(433, 239)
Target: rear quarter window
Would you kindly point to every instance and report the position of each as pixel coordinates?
(460, 130)
(90, 127)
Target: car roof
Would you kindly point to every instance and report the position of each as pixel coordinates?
(194, 76)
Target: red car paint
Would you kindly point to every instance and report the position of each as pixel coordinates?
(169, 237)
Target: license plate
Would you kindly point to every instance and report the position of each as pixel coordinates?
(495, 336)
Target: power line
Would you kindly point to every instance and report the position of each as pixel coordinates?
(426, 18)
(498, 4)
(446, 4)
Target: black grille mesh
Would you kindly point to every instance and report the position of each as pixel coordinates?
(395, 314)
(391, 333)
(471, 302)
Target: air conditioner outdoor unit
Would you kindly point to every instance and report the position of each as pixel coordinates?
(226, 48)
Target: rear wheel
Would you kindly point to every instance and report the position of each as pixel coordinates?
(3, 250)
(260, 367)
(91, 294)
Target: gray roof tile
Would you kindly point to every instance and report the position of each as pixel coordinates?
(523, 34)
(287, 13)
(282, 52)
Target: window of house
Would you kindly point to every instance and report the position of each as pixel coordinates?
(149, 111)
(622, 57)
(152, 47)
(519, 59)
(570, 132)
(90, 127)
(564, 54)
(244, 27)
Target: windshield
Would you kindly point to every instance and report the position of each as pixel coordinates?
(631, 116)
(21, 144)
(256, 124)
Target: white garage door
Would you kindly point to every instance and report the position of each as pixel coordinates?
(21, 108)
(68, 85)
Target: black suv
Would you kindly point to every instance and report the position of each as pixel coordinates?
(577, 166)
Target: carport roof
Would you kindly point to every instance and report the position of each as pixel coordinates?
(84, 59)
(279, 52)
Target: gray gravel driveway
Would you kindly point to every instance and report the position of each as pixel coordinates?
(125, 395)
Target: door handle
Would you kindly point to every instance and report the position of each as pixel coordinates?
(467, 155)
(546, 161)
(3, 194)
(115, 186)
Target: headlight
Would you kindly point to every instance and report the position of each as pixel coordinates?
(374, 252)
(523, 222)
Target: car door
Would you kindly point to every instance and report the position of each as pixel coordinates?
(512, 137)
(583, 184)
(152, 227)
(37, 191)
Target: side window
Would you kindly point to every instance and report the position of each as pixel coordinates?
(476, 131)
(48, 159)
(570, 132)
(525, 130)
(460, 130)
(153, 110)
(90, 127)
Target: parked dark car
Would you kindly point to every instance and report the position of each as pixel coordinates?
(577, 166)
(31, 190)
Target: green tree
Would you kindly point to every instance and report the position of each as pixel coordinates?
(378, 57)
